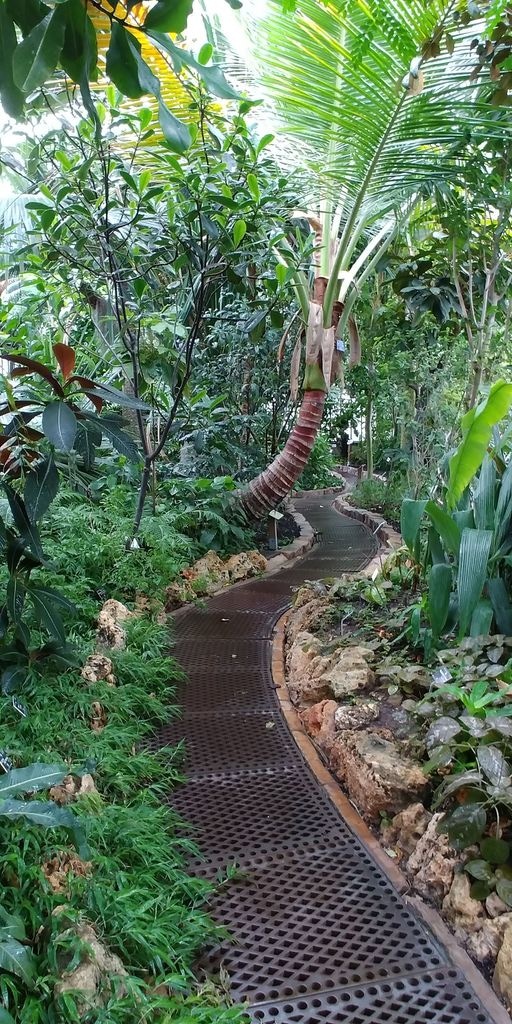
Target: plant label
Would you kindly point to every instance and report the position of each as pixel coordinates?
(19, 707)
(5, 761)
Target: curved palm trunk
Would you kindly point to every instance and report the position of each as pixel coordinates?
(275, 482)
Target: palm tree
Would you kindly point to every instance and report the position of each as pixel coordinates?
(379, 101)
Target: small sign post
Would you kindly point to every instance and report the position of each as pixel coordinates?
(276, 516)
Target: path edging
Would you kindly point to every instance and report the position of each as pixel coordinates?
(389, 538)
(396, 877)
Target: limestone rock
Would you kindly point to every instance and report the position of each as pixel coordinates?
(98, 667)
(305, 615)
(354, 716)
(459, 908)
(71, 788)
(406, 829)
(502, 979)
(176, 595)
(378, 776)
(98, 716)
(349, 672)
(244, 565)
(110, 632)
(495, 906)
(96, 974)
(430, 867)
(59, 868)
(319, 722)
(484, 944)
(305, 664)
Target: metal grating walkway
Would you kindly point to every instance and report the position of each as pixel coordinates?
(317, 934)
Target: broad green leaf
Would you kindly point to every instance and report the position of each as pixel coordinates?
(44, 813)
(26, 528)
(239, 231)
(44, 601)
(80, 49)
(477, 427)
(37, 56)
(121, 441)
(445, 526)
(117, 397)
(252, 184)
(481, 619)
(18, 960)
(464, 826)
(475, 547)
(12, 97)
(5, 1017)
(439, 591)
(499, 595)
(15, 597)
(31, 778)
(480, 869)
(485, 496)
(410, 520)
(503, 508)
(169, 15)
(494, 765)
(480, 890)
(11, 927)
(60, 425)
(41, 486)
(176, 133)
(85, 446)
(121, 64)
(26, 13)
(504, 890)
(213, 76)
(496, 851)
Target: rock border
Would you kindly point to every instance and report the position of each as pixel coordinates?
(351, 816)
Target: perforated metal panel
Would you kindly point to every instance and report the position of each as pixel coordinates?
(316, 933)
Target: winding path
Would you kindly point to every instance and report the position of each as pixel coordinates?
(317, 931)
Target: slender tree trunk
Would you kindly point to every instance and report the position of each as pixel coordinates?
(275, 482)
(369, 437)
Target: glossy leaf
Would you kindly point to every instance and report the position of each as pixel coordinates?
(496, 851)
(44, 601)
(481, 619)
(485, 495)
(464, 826)
(59, 424)
(80, 49)
(18, 960)
(494, 765)
(37, 56)
(169, 15)
(480, 869)
(41, 486)
(441, 731)
(446, 527)
(504, 890)
(35, 367)
(26, 528)
(12, 97)
(31, 778)
(121, 63)
(410, 521)
(480, 890)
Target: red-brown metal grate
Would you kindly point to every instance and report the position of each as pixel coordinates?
(317, 933)
(314, 922)
(234, 741)
(249, 815)
(435, 997)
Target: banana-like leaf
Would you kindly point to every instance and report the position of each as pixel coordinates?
(475, 547)
(481, 619)
(477, 427)
(446, 527)
(410, 520)
(484, 499)
(31, 778)
(439, 592)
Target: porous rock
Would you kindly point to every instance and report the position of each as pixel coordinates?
(98, 667)
(59, 868)
(72, 788)
(245, 565)
(319, 722)
(97, 973)
(355, 716)
(406, 829)
(484, 944)
(459, 908)
(431, 865)
(502, 979)
(110, 632)
(377, 774)
(306, 664)
(306, 613)
(349, 672)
